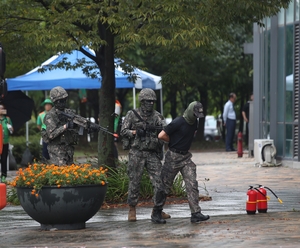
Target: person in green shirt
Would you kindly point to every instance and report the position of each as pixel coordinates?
(48, 104)
(118, 110)
(7, 128)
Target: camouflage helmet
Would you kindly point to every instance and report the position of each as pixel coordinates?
(147, 94)
(58, 93)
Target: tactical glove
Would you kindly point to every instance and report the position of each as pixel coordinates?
(140, 132)
(70, 125)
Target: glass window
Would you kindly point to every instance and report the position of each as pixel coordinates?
(281, 74)
(289, 141)
(289, 54)
(281, 17)
(297, 9)
(266, 78)
(280, 140)
(290, 13)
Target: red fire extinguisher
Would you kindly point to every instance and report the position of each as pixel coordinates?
(240, 145)
(251, 200)
(262, 200)
(2, 195)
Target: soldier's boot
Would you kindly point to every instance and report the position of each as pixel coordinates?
(131, 214)
(156, 216)
(198, 217)
(164, 215)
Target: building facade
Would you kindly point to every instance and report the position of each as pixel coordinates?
(276, 61)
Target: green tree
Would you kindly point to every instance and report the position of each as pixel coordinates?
(115, 27)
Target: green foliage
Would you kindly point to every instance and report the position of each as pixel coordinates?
(178, 188)
(32, 130)
(12, 196)
(19, 144)
(118, 181)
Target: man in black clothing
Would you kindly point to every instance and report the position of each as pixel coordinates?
(179, 133)
(245, 114)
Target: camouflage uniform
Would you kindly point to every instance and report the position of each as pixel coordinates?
(173, 164)
(60, 139)
(144, 151)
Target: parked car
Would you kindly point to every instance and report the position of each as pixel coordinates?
(212, 131)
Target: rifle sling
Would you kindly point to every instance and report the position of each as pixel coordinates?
(138, 116)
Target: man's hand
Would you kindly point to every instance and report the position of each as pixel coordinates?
(69, 125)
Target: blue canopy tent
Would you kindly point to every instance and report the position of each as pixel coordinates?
(77, 79)
(68, 79)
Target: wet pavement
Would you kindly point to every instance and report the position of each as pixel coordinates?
(229, 225)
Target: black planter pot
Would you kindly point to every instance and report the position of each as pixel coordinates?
(64, 208)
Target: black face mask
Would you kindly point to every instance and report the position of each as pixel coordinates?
(147, 107)
(60, 104)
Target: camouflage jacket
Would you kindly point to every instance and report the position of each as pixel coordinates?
(148, 143)
(55, 131)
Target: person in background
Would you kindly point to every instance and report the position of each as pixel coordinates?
(6, 123)
(229, 118)
(245, 114)
(47, 104)
(118, 111)
(179, 134)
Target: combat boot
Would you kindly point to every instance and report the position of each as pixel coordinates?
(198, 217)
(156, 217)
(165, 215)
(131, 214)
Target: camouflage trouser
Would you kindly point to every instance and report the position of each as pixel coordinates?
(175, 163)
(138, 160)
(61, 154)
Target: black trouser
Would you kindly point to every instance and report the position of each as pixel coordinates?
(4, 160)
(45, 151)
(230, 132)
(247, 135)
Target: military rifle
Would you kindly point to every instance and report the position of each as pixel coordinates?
(144, 128)
(83, 123)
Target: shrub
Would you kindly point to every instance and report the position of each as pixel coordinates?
(118, 182)
(19, 144)
(32, 129)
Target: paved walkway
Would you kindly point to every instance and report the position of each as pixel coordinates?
(229, 226)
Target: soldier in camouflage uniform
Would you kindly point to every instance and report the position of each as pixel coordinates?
(145, 147)
(59, 131)
(180, 133)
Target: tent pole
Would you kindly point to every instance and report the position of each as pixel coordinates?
(27, 129)
(133, 93)
(161, 103)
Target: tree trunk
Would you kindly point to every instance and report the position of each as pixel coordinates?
(107, 101)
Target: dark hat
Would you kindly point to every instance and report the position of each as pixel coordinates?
(198, 110)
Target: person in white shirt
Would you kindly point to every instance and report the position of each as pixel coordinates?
(229, 118)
